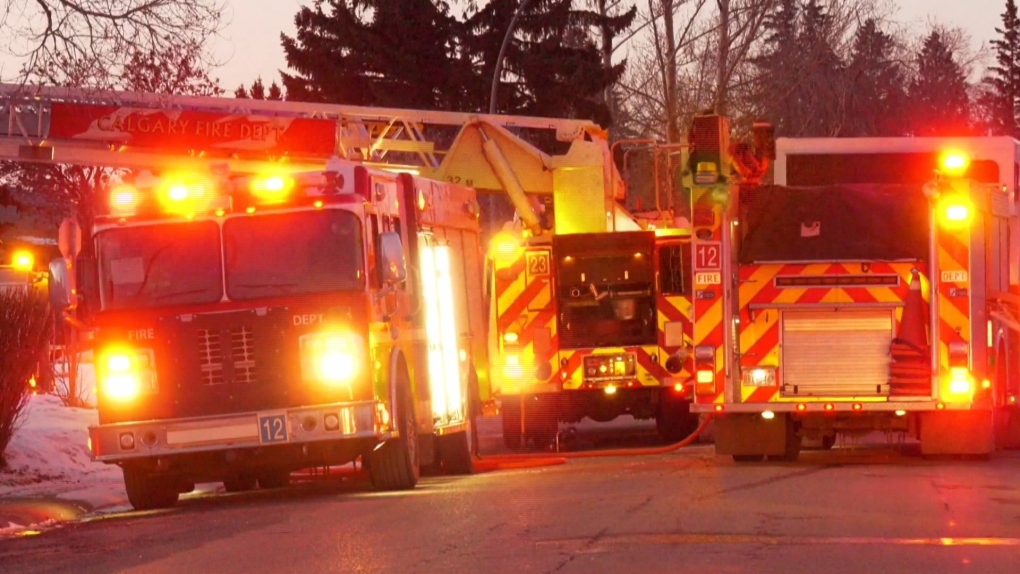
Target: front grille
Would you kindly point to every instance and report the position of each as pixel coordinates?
(238, 366)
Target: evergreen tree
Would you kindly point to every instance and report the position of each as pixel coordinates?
(392, 53)
(938, 94)
(876, 86)
(551, 67)
(818, 85)
(258, 91)
(415, 54)
(1001, 97)
(773, 64)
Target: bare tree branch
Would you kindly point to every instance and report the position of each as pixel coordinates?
(50, 35)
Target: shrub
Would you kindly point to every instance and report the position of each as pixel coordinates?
(24, 338)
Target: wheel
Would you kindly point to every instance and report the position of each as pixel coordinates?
(674, 420)
(542, 419)
(748, 457)
(793, 442)
(395, 465)
(511, 413)
(455, 453)
(147, 491)
(241, 482)
(273, 478)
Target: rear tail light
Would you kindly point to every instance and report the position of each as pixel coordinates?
(704, 366)
(959, 381)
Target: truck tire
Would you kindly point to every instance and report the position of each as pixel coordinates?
(542, 416)
(456, 452)
(273, 478)
(147, 491)
(674, 421)
(793, 442)
(395, 465)
(511, 414)
(241, 482)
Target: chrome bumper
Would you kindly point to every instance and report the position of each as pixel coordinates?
(299, 425)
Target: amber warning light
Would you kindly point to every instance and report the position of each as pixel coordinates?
(954, 163)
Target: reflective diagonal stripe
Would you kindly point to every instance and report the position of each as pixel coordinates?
(762, 303)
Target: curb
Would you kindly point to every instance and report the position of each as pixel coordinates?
(20, 516)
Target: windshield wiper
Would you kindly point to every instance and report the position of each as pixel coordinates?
(281, 286)
(150, 263)
(162, 296)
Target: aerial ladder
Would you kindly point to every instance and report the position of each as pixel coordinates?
(146, 131)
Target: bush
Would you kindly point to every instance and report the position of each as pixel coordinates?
(24, 339)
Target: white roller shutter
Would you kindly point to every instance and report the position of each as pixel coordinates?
(836, 353)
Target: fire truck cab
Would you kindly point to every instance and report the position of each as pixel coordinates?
(872, 287)
(249, 325)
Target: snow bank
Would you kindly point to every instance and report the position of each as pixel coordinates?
(48, 457)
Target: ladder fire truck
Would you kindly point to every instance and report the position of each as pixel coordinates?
(233, 344)
(872, 287)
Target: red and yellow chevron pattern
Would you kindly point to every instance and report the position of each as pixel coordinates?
(530, 359)
(768, 290)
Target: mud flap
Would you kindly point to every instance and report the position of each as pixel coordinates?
(750, 434)
(1007, 428)
(956, 432)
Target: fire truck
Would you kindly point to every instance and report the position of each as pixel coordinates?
(232, 343)
(589, 304)
(872, 287)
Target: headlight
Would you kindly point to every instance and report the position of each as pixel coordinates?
(330, 358)
(124, 374)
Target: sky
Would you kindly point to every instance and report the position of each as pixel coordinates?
(249, 45)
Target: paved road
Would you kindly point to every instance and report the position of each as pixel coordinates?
(868, 509)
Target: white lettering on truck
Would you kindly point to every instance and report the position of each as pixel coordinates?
(307, 319)
(141, 334)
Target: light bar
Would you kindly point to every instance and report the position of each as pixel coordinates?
(954, 163)
(271, 188)
(187, 193)
(124, 200)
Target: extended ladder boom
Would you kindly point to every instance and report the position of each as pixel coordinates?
(59, 119)
(159, 131)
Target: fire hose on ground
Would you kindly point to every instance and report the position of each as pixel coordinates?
(490, 463)
(534, 460)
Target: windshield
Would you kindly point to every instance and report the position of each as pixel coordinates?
(293, 253)
(154, 265)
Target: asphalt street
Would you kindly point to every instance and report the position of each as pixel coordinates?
(870, 508)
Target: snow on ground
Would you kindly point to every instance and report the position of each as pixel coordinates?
(48, 457)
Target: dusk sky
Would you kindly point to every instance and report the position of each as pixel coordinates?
(250, 46)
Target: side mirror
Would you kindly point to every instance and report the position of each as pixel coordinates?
(61, 295)
(391, 259)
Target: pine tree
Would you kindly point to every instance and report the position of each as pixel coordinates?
(818, 85)
(876, 85)
(258, 91)
(938, 94)
(1001, 98)
(415, 54)
(552, 67)
(773, 64)
(394, 53)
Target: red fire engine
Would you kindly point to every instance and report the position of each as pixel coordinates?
(590, 308)
(873, 287)
(224, 188)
